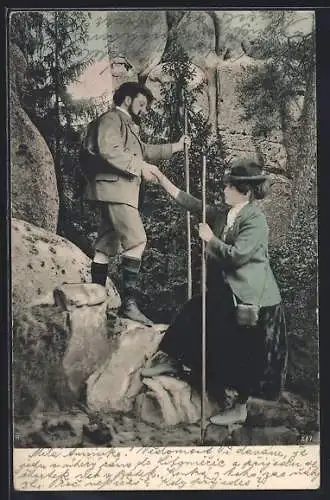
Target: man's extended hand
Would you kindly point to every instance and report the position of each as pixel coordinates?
(150, 172)
(179, 146)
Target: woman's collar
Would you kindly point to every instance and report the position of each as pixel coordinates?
(238, 207)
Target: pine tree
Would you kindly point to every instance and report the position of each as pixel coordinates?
(55, 49)
(166, 257)
(54, 46)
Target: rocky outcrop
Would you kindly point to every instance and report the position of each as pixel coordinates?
(136, 42)
(237, 132)
(77, 381)
(34, 196)
(57, 347)
(169, 401)
(116, 383)
(237, 31)
(42, 261)
(87, 307)
(76, 349)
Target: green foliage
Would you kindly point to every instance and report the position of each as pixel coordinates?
(295, 261)
(266, 92)
(295, 267)
(26, 30)
(53, 43)
(164, 280)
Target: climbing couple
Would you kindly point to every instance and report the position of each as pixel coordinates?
(252, 359)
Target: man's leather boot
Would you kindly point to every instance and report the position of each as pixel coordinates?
(129, 309)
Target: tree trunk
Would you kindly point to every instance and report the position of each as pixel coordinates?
(57, 155)
(57, 96)
(290, 143)
(304, 175)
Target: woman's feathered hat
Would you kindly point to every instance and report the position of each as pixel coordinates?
(245, 170)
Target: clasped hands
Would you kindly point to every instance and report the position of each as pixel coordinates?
(204, 230)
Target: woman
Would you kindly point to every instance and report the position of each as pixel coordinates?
(250, 359)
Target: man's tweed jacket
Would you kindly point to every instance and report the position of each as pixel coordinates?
(118, 143)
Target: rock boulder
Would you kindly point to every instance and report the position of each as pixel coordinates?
(136, 42)
(57, 347)
(42, 261)
(116, 383)
(34, 195)
(168, 401)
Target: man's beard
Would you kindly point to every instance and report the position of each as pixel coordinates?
(136, 118)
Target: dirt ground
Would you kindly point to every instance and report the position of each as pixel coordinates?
(290, 421)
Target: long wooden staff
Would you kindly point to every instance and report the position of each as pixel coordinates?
(187, 174)
(203, 400)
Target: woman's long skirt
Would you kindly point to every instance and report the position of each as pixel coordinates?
(251, 360)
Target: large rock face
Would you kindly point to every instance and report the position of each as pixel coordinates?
(238, 138)
(33, 182)
(42, 261)
(237, 132)
(195, 32)
(237, 31)
(220, 44)
(136, 42)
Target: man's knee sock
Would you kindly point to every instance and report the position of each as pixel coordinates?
(99, 273)
(130, 310)
(130, 271)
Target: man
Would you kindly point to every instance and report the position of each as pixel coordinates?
(121, 163)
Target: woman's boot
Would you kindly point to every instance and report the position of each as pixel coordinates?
(235, 415)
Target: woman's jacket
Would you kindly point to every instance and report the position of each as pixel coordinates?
(243, 255)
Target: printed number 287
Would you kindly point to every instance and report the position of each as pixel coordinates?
(306, 438)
